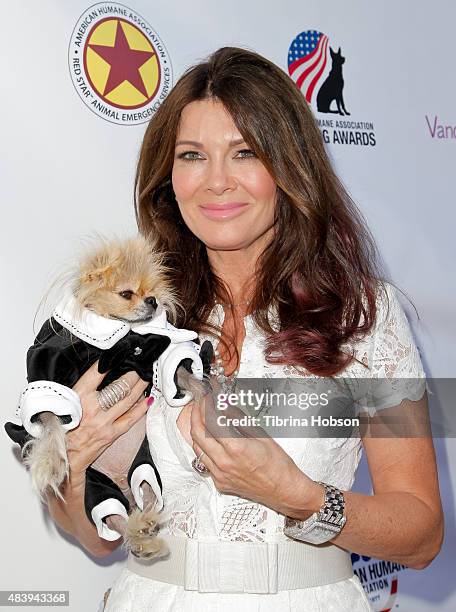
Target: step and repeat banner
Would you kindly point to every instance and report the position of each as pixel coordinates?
(79, 83)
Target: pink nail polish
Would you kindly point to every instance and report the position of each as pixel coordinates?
(151, 400)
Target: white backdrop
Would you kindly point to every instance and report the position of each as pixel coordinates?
(66, 172)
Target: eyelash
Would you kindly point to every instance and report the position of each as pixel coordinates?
(187, 159)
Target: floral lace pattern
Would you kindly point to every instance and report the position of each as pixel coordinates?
(182, 522)
(242, 521)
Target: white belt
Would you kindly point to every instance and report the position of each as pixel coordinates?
(245, 567)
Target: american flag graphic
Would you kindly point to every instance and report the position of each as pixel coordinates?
(307, 60)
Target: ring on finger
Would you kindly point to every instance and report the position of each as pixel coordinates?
(113, 393)
(198, 466)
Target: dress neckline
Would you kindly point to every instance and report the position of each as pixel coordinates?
(217, 316)
(218, 312)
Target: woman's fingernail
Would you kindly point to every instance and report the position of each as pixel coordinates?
(150, 401)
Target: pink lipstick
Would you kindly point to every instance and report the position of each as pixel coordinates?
(223, 211)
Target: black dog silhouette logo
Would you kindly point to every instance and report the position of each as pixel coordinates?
(317, 70)
(307, 61)
(332, 88)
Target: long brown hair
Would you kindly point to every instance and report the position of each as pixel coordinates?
(321, 269)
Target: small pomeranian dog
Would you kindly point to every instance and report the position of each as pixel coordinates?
(114, 310)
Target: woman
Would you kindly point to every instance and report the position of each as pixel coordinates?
(266, 247)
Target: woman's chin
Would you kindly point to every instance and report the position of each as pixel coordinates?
(224, 243)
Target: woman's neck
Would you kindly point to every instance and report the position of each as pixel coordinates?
(237, 268)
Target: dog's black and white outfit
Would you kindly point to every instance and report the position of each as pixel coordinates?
(66, 346)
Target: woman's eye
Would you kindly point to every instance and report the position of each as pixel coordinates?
(127, 295)
(185, 158)
(249, 152)
(194, 155)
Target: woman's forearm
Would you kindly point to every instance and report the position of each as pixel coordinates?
(394, 526)
(72, 518)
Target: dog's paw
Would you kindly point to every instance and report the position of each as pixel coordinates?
(141, 535)
(48, 465)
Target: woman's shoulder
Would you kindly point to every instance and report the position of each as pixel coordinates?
(387, 299)
(390, 316)
(387, 307)
(395, 351)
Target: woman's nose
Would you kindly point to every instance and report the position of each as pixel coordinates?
(219, 177)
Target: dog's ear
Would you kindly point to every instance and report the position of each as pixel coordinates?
(100, 266)
(98, 274)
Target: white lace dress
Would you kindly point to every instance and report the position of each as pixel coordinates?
(197, 510)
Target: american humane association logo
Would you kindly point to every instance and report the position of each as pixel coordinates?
(379, 580)
(317, 69)
(119, 66)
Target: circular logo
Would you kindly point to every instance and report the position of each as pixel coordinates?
(118, 64)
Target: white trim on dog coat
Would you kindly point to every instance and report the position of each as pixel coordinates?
(145, 472)
(48, 396)
(166, 365)
(103, 510)
(89, 326)
(103, 332)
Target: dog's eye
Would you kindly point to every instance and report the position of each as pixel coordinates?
(126, 294)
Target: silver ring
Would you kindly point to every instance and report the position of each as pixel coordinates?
(113, 393)
(198, 466)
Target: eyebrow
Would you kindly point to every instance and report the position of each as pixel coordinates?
(200, 145)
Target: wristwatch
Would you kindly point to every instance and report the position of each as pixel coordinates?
(323, 525)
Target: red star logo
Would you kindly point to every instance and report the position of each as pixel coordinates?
(124, 61)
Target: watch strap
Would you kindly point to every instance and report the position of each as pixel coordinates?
(333, 509)
(322, 525)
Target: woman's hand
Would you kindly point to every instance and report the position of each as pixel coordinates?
(99, 428)
(255, 468)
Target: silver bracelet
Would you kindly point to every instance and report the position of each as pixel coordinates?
(322, 525)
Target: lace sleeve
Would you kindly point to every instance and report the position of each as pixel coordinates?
(396, 371)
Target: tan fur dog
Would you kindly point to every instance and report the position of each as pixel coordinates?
(120, 285)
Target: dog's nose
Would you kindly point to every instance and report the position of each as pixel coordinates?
(151, 301)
